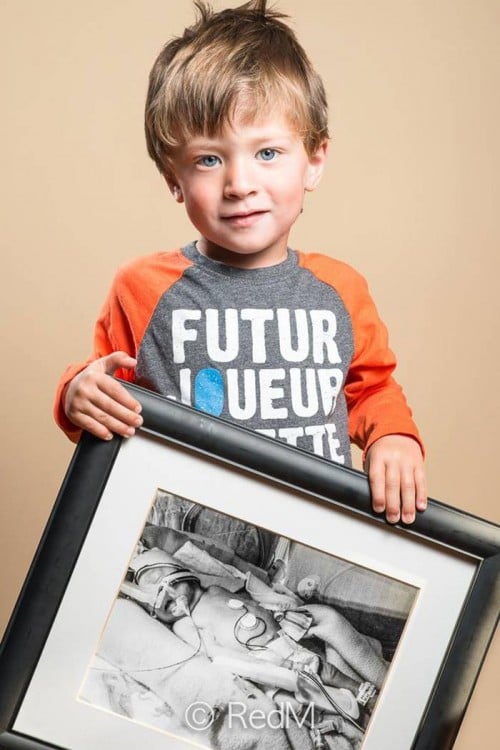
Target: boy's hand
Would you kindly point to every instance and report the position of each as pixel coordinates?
(395, 468)
(95, 402)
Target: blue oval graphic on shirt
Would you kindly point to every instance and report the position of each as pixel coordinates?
(209, 391)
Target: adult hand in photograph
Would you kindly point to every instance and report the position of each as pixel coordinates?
(364, 653)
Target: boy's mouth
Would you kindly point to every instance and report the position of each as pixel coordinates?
(243, 218)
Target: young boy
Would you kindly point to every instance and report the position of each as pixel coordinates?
(238, 324)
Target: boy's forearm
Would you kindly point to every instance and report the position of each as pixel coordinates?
(382, 411)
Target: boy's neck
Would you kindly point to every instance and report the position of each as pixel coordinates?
(262, 259)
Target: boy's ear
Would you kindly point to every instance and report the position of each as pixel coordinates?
(316, 166)
(174, 189)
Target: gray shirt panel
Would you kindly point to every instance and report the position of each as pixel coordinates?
(267, 348)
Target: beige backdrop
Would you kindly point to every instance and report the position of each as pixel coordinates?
(410, 198)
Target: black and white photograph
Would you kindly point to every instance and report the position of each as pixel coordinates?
(230, 636)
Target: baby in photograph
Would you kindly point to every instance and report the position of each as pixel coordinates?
(201, 642)
(216, 610)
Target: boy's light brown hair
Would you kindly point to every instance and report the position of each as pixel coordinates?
(236, 62)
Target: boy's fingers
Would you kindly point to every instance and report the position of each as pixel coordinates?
(108, 424)
(107, 395)
(420, 489)
(397, 478)
(108, 408)
(85, 422)
(110, 403)
(408, 496)
(115, 391)
(377, 486)
(392, 494)
(97, 403)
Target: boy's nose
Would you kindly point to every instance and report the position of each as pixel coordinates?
(239, 180)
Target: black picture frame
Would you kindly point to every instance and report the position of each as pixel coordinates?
(253, 455)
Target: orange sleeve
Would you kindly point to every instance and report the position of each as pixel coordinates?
(124, 317)
(375, 401)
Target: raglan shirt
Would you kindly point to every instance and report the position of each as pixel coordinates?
(296, 351)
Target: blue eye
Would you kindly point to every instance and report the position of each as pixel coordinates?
(267, 154)
(208, 161)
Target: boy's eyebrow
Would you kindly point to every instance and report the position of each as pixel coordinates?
(206, 143)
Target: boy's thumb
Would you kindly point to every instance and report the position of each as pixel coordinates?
(118, 359)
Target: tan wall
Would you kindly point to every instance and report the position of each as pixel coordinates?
(410, 198)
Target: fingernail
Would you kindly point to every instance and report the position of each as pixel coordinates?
(408, 517)
(129, 432)
(138, 408)
(138, 421)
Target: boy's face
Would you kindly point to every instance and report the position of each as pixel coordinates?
(244, 188)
